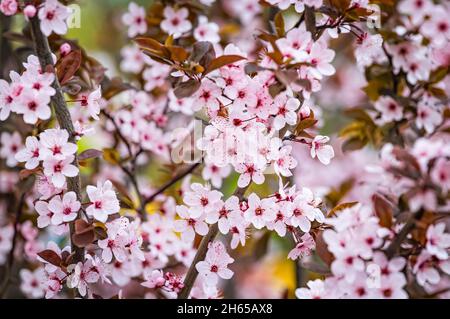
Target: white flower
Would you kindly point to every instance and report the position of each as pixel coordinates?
(31, 153)
(64, 210)
(323, 152)
(215, 264)
(175, 22)
(104, 201)
(135, 20)
(53, 17)
(58, 169)
(260, 212)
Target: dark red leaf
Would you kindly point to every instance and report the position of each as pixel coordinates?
(51, 257)
(221, 61)
(90, 153)
(68, 66)
(187, 88)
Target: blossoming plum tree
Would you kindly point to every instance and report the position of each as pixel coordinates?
(236, 85)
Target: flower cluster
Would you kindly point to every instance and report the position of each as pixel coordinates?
(56, 153)
(28, 94)
(52, 14)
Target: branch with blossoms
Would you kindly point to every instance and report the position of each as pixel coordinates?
(62, 114)
(171, 178)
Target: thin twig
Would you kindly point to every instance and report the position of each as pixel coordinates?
(10, 262)
(171, 182)
(135, 184)
(119, 133)
(130, 173)
(394, 247)
(310, 21)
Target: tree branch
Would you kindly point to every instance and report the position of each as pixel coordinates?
(10, 261)
(62, 114)
(171, 182)
(192, 272)
(394, 247)
(310, 21)
(130, 173)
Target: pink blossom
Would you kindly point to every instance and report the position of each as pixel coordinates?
(215, 264)
(417, 9)
(369, 50)
(223, 212)
(303, 247)
(215, 174)
(28, 231)
(6, 99)
(174, 283)
(285, 111)
(392, 287)
(53, 16)
(428, 117)
(155, 76)
(438, 241)
(34, 106)
(175, 21)
(58, 169)
(206, 31)
(294, 45)
(82, 274)
(45, 188)
(249, 173)
(31, 153)
(190, 225)
(425, 270)
(423, 198)
(64, 210)
(388, 267)
(437, 27)
(135, 19)
(9, 7)
(103, 200)
(123, 241)
(32, 283)
(319, 58)
(55, 144)
(91, 102)
(133, 59)
(315, 290)
(53, 284)
(40, 82)
(323, 152)
(238, 226)
(260, 211)
(201, 200)
(45, 215)
(207, 96)
(184, 105)
(284, 162)
(232, 81)
(283, 214)
(10, 146)
(441, 173)
(6, 234)
(185, 253)
(155, 279)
